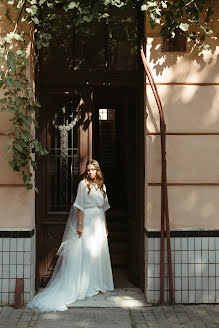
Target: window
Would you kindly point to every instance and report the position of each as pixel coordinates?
(103, 114)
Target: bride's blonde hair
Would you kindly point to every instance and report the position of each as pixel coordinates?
(99, 176)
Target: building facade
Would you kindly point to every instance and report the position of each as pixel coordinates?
(31, 225)
(188, 85)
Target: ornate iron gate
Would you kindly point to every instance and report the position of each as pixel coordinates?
(58, 174)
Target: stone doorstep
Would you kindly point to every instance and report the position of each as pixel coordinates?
(121, 298)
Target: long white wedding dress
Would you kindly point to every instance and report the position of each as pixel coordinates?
(83, 267)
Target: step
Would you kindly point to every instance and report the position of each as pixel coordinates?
(118, 236)
(117, 226)
(118, 247)
(119, 261)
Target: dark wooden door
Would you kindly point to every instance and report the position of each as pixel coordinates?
(64, 128)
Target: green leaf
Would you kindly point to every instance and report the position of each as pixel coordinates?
(34, 165)
(157, 20)
(206, 46)
(158, 11)
(11, 61)
(50, 4)
(184, 27)
(18, 147)
(192, 35)
(144, 7)
(28, 120)
(32, 10)
(10, 81)
(3, 100)
(24, 176)
(87, 19)
(13, 164)
(72, 5)
(47, 36)
(17, 83)
(206, 30)
(24, 18)
(29, 186)
(24, 137)
(22, 144)
(35, 20)
(164, 4)
(37, 104)
(41, 2)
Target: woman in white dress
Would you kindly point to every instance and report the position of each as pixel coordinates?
(83, 268)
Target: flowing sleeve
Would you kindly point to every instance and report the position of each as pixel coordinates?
(79, 201)
(106, 205)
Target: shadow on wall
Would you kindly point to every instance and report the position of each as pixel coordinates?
(188, 106)
(162, 60)
(188, 84)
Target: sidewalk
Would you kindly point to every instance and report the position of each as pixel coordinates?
(122, 308)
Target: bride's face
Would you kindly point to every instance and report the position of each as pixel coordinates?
(91, 171)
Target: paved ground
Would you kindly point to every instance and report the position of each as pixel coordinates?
(122, 308)
(182, 316)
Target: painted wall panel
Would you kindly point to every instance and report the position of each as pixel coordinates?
(17, 208)
(186, 67)
(190, 207)
(7, 175)
(190, 158)
(187, 108)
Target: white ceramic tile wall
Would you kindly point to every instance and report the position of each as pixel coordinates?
(17, 260)
(195, 268)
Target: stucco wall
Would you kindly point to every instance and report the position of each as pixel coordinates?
(188, 84)
(16, 203)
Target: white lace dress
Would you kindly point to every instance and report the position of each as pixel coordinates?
(83, 267)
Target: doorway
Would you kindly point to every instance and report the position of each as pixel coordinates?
(117, 126)
(114, 146)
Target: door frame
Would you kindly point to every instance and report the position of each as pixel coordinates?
(50, 82)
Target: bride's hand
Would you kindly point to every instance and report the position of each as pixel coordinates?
(80, 229)
(107, 232)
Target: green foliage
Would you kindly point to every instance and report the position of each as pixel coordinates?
(19, 101)
(57, 21)
(191, 16)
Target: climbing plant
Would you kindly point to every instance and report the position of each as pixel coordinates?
(193, 17)
(58, 21)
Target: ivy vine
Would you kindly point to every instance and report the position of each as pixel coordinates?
(193, 17)
(18, 99)
(55, 20)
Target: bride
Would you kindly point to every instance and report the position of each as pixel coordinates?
(83, 268)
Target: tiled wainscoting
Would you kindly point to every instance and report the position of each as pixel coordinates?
(17, 260)
(195, 258)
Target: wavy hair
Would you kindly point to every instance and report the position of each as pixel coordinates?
(99, 180)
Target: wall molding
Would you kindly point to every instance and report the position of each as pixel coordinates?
(184, 133)
(17, 233)
(11, 185)
(201, 84)
(155, 184)
(184, 233)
